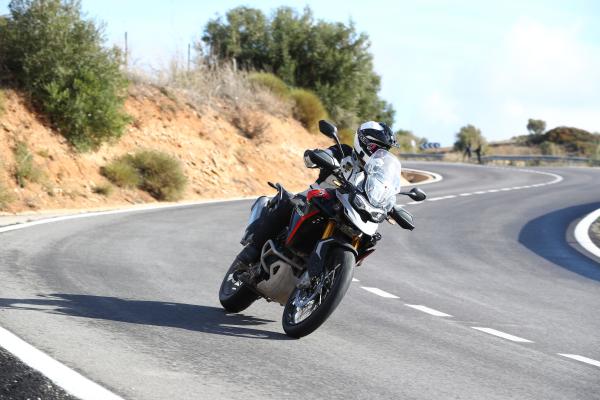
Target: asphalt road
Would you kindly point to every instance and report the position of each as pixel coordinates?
(130, 301)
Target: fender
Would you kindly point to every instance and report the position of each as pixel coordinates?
(316, 261)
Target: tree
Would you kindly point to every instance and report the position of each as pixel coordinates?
(331, 59)
(536, 126)
(406, 139)
(469, 135)
(57, 58)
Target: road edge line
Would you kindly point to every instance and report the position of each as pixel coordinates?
(582, 235)
(89, 214)
(68, 379)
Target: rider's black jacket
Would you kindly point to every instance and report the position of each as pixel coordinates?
(275, 218)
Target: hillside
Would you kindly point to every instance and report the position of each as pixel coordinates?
(218, 157)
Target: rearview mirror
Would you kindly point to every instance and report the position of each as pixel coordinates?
(328, 129)
(402, 218)
(323, 159)
(417, 194)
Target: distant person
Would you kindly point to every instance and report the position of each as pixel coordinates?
(467, 153)
(478, 152)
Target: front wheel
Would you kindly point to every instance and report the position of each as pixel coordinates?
(307, 309)
(234, 295)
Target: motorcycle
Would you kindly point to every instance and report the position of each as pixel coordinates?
(309, 266)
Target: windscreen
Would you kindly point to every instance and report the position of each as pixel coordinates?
(383, 179)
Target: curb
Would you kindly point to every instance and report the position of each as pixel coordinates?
(431, 177)
(582, 236)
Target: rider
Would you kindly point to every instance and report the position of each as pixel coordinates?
(370, 137)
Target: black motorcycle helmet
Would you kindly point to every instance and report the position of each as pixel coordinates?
(372, 136)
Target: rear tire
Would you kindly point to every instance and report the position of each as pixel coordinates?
(234, 295)
(340, 263)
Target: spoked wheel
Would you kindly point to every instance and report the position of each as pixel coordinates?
(234, 295)
(307, 309)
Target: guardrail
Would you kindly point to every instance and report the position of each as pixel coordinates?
(525, 158)
(561, 159)
(426, 156)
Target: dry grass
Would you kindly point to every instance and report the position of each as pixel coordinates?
(25, 169)
(103, 189)
(6, 197)
(512, 150)
(215, 87)
(2, 102)
(250, 125)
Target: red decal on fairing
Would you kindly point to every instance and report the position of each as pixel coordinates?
(304, 218)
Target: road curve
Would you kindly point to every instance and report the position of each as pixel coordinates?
(130, 300)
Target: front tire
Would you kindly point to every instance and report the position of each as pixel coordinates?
(307, 309)
(234, 295)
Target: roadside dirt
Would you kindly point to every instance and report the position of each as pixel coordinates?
(229, 153)
(219, 159)
(18, 381)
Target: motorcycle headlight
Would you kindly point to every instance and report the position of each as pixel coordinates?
(364, 208)
(377, 216)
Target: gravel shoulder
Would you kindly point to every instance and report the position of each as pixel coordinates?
(18, 381)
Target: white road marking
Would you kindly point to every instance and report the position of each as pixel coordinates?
(146, 207)
(451, 196)
(582, 359)
(502, 334)
(493, 190)
(581, 233)
(380, 292)
(355, 280)
(505, 189)
(428, 310)
(71, 381)
(85, 389)
(436, 198)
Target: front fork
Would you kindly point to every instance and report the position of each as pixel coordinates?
(330, 228)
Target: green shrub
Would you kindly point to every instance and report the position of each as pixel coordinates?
(25, 168)
(104, 189)
(57, 57)
(6, 197)
(308, 108)
(155, 172)
(331, 58)
(271, 82)
(122, 173)
(161, 175)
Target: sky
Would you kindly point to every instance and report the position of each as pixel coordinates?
(444, 63)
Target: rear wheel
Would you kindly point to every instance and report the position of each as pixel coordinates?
(234, 295)
(307, 309)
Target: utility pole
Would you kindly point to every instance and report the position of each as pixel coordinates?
(189, 56)
(126, 52)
